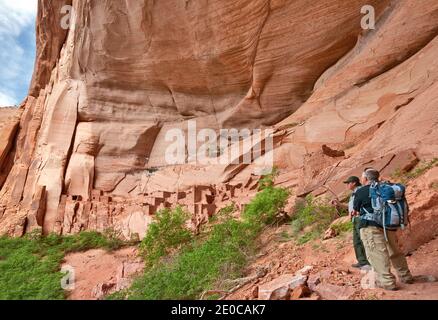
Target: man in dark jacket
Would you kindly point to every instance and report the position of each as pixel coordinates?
(353, 184)
(381, 253)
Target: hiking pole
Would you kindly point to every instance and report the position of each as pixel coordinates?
(336, 197)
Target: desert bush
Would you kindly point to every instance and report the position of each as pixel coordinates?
(167, 233)
(266, 206)
(343, 227)
(312, 217)
(198, 267)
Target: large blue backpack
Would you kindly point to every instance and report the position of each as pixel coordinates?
(389, 204)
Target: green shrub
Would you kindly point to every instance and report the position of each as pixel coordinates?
(343, 227)
(284, 236)
(30, 266)
(400, 176)
(313, 216)
(221, 216)
(205, 263)
(308, 236)
(266, 205)
(199, 267)
(84, 241)
(224, 213)
(167, 233)
(267, 181)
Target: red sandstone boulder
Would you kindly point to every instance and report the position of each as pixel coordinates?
(280, 288)
(333, 292)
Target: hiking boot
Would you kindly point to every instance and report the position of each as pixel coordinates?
(385, 287)
(359, 265)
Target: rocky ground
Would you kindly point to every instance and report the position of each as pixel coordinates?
(331, 263)
(330, 260)
(98, 273)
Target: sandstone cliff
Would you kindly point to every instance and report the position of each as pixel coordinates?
(88, 152)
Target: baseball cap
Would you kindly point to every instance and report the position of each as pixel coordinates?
(352, 179)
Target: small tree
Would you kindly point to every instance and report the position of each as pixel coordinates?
(167, 233)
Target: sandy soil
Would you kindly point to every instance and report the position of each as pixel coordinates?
(95, 268)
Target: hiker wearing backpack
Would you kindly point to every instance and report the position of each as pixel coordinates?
(382, 208)
(353, 184)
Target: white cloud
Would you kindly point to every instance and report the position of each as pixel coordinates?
(6, 100)
(16, 15)
(27, 7)
(17, 25)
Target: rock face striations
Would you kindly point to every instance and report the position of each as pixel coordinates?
(90, 140)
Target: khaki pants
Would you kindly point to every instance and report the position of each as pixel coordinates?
(380, 253)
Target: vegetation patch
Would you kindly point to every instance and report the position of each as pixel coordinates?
(340, 228)
(418, 171)
(311, 218)
(166, 234)
(30, 266)
(422, 168)
(308, 236)
(221, 253)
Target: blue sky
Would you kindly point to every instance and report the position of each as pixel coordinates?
(17, 54)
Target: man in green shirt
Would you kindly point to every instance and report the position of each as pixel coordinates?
(353, 184)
